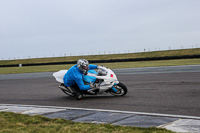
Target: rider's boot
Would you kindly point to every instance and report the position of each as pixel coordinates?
(77, 94)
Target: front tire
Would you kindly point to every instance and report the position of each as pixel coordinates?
(121, 90)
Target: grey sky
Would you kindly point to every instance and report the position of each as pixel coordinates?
(56, 27)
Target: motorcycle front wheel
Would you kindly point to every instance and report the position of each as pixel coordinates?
(121, 90)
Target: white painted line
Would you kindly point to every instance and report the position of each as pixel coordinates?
(42, 111)
(113, 111)
(138, 113)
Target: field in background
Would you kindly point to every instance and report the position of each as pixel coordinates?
(195, 51)
(53, 68)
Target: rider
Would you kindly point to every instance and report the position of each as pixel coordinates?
(74, 77)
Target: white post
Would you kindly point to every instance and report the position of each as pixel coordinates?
(20, 65)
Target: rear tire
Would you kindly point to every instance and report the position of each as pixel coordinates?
(121, 90)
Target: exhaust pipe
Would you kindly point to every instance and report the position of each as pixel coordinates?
(63, 88)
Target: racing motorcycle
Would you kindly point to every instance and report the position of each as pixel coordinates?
(105, 78)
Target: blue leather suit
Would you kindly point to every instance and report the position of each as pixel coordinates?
(75, 76)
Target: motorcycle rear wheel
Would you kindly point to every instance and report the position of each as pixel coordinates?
(121, 90)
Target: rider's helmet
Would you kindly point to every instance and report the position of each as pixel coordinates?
(83, 65)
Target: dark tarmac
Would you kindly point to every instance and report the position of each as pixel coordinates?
(166, 90)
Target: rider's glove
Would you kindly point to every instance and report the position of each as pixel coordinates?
(94, 85)
(91, 85)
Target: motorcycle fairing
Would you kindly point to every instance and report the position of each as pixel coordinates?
(59, 75)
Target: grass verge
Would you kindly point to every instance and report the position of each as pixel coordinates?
(52, 68)
(18, 123)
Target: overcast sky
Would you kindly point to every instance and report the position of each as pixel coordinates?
(39, 28)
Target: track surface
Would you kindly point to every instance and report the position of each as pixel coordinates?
(166, 90)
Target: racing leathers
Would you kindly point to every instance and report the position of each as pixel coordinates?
(74, 76)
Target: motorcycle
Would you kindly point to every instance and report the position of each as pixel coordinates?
(105, 78)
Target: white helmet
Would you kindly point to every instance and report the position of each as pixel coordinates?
(83, 65)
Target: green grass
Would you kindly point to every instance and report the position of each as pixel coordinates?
(53, 68)
(195, 51)
(18, 123)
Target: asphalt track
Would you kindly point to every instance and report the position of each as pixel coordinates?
(165, 90)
